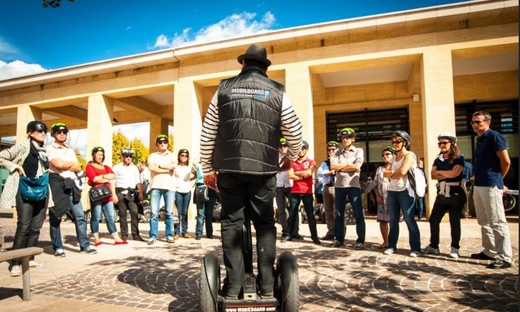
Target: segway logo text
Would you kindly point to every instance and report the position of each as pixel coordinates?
(251, 309)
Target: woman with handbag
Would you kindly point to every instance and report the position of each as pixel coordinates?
(451, 198)
(27, 160)
(102, 196)
(182, 174)
(401, 197)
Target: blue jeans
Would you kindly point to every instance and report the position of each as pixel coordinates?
(108, 212)
(205, 212)
(294, 201)
(400, 201)
(354, 197)
(79, 221)
(155, 197)
(420, 207)
(182, 201)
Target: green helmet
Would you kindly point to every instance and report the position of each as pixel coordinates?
(283, 142)
(59, 126)
(348, 132)
(332, 143)
(161, 138)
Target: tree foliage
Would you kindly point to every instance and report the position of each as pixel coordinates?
(120, 141)
(53, 3)
(82, 161)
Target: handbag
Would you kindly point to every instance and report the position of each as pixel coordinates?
(200, 194)
(35, 188)
(98, 193)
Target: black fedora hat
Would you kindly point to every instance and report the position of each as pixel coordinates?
(257, 53)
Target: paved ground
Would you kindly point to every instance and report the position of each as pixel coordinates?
(164, 277)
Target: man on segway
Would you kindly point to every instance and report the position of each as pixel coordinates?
(240, 137)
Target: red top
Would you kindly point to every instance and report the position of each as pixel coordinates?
(303, 186)
(93, 172)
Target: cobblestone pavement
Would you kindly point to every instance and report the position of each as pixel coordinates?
(164, 277)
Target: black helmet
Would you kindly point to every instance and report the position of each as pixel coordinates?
(97, 149)
(59, 126)
(36, 125)
(305, 144)
(404, 135)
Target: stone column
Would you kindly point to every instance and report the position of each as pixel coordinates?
(99, 125)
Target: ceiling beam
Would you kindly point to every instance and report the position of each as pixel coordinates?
(68, 112)
(140, 105)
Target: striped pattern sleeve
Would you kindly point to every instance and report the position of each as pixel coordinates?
(291, 128)
(209, 134)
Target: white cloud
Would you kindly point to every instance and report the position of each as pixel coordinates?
(243, 24)
(18, 68)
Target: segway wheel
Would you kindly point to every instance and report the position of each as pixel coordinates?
(288, 283)
(209, 283)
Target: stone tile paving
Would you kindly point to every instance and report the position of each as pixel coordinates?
(165, 278)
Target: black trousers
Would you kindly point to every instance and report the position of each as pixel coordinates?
(241, 193)
(453, 205)
(123, 206)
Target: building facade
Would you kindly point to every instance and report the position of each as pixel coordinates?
(423, 71)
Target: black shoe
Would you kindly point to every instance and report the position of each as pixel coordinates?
(338, 244)
(138, 238)
(328, 237)
(481, 256)
(298, 237)
(286, 238)
(499, 264)
(198, 237)
(316, 241)
(210, 236)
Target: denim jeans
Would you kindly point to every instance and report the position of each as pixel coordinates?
(182, 201)
(400, 201)
(420, 207)
(79, 221)
(205, 212)
(31, 215)
(155, 197)
(108, 212)
(251, 194)
(453, 205)
(354, 197)
(307, 200)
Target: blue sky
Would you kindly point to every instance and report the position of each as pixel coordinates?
(34, 39)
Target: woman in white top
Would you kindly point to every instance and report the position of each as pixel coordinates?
(401, 197)
(184, 173)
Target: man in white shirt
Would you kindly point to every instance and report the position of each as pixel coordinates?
(127, 180)
(63, 166)
(162, 165)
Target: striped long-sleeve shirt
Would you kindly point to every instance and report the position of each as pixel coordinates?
(291, 129)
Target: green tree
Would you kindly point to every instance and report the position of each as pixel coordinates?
(82, 161)
(53, 3)
(119, 141)
(141, 152)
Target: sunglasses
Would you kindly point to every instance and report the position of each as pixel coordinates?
(184, 155)
(162, 142)
(443, 143)
(61, 132)
(331, 149)
(127, 156)
(347, 137)
(386, 154)
(41, 131)
(477, 122)
(397, 142)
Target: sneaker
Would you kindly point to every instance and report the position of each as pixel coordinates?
(88, 250)
(35, 264)
(430, 250)
(388, 251)
(59, 253)
(298, 237)
(359, 246)
(499, 264)
(415, 254)
(170, 239)
(151, 241)
(481, 256)
(338, 244)
(16, 270)
(454, 254)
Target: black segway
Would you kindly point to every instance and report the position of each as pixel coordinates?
(286, 286)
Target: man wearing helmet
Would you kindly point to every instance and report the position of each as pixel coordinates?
(326, 176)
(162, 165)
(347, 164)
(63, 168)
(127, 180)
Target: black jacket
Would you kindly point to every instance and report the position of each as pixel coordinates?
(250, 109)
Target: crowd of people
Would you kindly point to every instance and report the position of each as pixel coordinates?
(249, 170)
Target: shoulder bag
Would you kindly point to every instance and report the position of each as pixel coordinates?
(98, 193)
(35, 188)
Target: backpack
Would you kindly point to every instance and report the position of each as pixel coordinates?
(417, 180)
